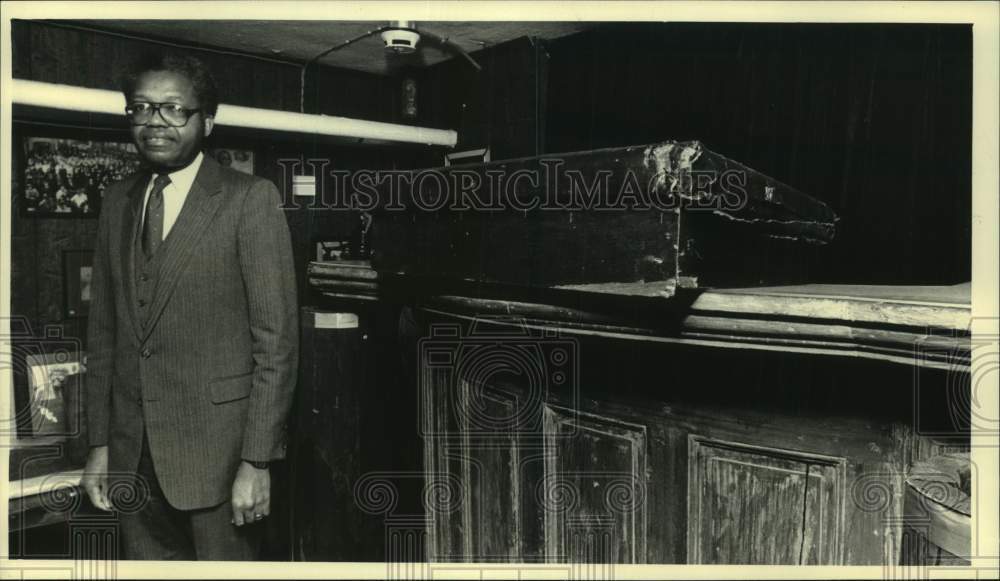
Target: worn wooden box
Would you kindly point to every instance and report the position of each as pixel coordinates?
(667, 215)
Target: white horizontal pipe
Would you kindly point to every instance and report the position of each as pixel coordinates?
(74, 98)
(46, 483)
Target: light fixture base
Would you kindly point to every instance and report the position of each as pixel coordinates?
(400, 40)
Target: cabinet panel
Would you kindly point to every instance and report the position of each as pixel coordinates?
(628, 469)
(763, 506)
(594, 488)
(354, 461)
(330, 525)
(479, 444)
(491, 473)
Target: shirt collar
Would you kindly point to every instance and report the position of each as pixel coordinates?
(183, 179)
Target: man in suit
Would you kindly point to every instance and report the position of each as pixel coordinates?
(193, 333)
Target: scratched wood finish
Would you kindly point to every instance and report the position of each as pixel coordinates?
(877, 328)
(481, 442)
(809, 411)
(437, 424)
(763, 506)
(799, 458)
(594, 488)
(491, 471)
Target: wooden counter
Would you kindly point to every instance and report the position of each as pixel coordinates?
(753, 426)
(876, 322)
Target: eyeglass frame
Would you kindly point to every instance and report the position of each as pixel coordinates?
(156, 111)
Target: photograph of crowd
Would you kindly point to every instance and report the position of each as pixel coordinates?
(68, 176)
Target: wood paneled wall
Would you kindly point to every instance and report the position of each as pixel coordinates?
(874, 120)
(500, 107)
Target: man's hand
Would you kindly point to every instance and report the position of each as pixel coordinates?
(95, 477)
(251, 494)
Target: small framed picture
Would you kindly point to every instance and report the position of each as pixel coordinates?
(54, 381)
(78, 269)
(238, 159)
(327, 251)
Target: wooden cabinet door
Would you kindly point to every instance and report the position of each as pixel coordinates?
(753, 505)
(594, 488)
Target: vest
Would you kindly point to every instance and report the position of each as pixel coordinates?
(146, 273)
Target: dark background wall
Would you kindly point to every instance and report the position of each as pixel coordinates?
(874, 120)
(501, 107)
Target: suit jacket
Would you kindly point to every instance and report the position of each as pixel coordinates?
(211, 376)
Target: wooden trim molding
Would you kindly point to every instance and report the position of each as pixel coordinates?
(922, 326)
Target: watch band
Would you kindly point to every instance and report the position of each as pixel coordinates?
(258, 464)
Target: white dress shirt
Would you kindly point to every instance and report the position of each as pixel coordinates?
(175, 193)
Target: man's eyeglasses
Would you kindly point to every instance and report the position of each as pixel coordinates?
(174, 115)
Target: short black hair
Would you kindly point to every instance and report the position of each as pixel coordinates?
(201, 78)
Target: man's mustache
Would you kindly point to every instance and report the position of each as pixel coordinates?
(156, 135)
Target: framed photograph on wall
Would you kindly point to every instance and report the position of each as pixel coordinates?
(238, 159)
(66, 177)
(78, 268)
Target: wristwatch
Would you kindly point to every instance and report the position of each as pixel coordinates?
(258, 465)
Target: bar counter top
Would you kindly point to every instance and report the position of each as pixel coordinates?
(926, 326)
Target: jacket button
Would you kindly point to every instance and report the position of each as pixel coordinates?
(138, 400)
(142, 302)
(146, 353)
(144, 277)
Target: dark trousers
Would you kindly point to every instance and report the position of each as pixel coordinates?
(158, 531)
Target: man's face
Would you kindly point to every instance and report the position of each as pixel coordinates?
(161, 145)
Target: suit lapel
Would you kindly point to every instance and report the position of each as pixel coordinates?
(131, 219)
(196, 215)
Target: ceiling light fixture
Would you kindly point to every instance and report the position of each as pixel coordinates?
(402, 38)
